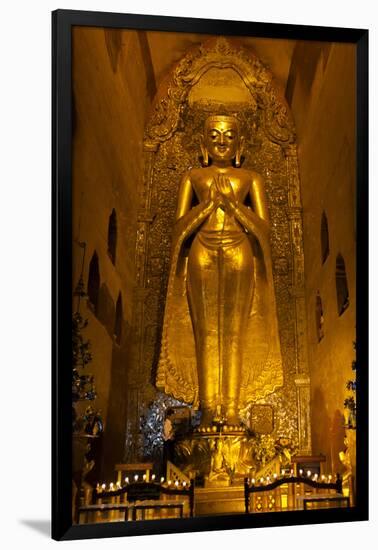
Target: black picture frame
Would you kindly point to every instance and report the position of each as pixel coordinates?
(62, 23)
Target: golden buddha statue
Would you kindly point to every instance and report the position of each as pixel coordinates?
(220, 347)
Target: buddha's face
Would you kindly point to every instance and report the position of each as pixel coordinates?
(221, 138)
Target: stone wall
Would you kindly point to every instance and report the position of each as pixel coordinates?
(322, 93)
(110, 99)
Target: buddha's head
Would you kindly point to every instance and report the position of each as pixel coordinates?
(221, 141)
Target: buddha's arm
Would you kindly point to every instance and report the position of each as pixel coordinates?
(258, 198)
(185, 197)
(188, 218)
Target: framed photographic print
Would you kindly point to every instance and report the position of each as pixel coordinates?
(210, 274)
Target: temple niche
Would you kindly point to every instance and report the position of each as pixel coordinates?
(294, 406)
(221, 77)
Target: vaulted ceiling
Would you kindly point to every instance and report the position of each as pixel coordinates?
(167, 48)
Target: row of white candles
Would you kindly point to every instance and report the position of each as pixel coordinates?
(115, 486)
(323, 478)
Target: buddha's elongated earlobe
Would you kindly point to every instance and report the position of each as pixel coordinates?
(239, 152)
(205, 154)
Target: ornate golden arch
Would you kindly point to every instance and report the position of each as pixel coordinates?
(219, 53)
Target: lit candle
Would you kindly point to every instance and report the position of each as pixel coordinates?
(103, 486)
(184, 483)
(111, 487)
(282, 472)
(144, 477)
(275, 476)
(126, 479)
(300, 472)
(268, 478)
(316, 477)
(169, 482)
(308, 473)
(291, 472)
(98, 487)
(153, 477)
(176, 483)
(118, 484)
(136, 477)
(329, 477)
(253, 481)
(261, 480)
(161, 480)
(323, 477)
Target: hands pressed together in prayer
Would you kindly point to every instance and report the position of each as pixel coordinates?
(222, 193)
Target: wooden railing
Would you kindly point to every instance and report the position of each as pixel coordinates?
(290, 493)
(143, 490)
